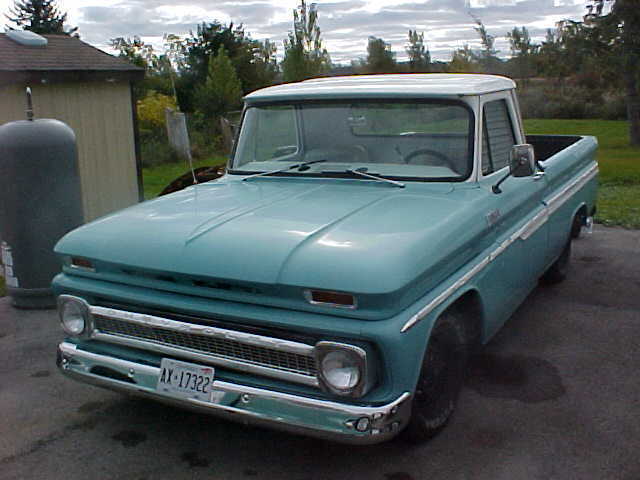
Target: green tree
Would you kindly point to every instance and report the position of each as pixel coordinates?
(158, 68)
(304, 54)
(39, 16)
(523, 52)
(380, 58)
(193, 54)
(222, 91)
(418, 53)
(550, 57)
(488, 57)
(266, 63)
(614, 38)
(135, 51)
(463, 60)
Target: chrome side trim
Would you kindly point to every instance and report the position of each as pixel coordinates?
(444, 295)
(523, 233)
(298, 414)
(559, 199)
(241, 337)
(208, 331)
(534, 224)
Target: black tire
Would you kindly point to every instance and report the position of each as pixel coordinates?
(441, 378)
(560, 268)
(576, 226)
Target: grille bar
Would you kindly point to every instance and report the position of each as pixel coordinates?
(242, 351)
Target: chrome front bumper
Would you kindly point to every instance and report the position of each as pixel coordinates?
(249, 405)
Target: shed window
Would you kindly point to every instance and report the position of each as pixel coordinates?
(497, 137)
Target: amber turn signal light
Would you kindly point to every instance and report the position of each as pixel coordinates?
(82, 263)
(330, 299)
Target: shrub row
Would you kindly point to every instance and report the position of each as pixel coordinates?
(570, 102)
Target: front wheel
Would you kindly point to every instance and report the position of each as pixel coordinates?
(440, 381)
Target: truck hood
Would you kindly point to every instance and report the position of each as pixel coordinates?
(346, 235)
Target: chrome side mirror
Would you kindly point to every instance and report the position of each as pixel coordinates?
(522, 160)
(522, 163)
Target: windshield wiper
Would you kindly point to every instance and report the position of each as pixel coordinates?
(362, 172)
(299, 166)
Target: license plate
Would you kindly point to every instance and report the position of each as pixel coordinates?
(185, 380)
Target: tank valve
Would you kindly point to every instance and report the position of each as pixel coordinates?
(29, 105)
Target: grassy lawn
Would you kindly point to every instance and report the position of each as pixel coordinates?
(158, 177)
(619, 194)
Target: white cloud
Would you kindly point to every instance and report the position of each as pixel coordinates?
(345, 24)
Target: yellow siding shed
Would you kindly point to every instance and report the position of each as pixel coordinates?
(91, 92)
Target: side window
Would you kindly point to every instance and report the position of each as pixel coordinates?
(497, 138)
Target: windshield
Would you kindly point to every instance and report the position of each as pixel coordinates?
(431, 140)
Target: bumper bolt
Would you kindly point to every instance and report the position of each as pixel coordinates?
(363, 424)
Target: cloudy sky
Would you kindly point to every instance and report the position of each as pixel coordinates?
(345, 25)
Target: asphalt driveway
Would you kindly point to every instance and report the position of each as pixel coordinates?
(555, 395)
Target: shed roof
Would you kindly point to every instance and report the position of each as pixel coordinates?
(391, 85)
(63, 58)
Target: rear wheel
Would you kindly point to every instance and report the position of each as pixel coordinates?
(560, 268)
(576, 226)
(440, 380)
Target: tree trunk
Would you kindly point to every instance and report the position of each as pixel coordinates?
(633, 114)
(628, 13)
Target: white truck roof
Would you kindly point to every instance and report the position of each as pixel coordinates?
(389, 85)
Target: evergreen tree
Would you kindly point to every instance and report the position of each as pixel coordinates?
(39, 16)
(304, 55)
(222, 92)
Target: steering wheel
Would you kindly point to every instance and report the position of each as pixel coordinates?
(441, 158)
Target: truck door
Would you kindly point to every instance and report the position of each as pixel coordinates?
(517, 215)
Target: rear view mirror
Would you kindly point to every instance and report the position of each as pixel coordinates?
(522, 160)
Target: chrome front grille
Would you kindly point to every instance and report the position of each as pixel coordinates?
(237, 350)
(256, 355)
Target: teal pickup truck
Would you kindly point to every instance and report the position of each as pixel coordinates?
(369, 232)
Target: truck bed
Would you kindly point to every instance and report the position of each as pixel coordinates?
(547, 146)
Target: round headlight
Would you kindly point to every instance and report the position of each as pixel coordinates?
(341, 370)
(74, 314)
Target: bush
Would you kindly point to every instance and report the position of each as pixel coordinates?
(570, 102)
(156, 151)
(614, 108)
(151, 119)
